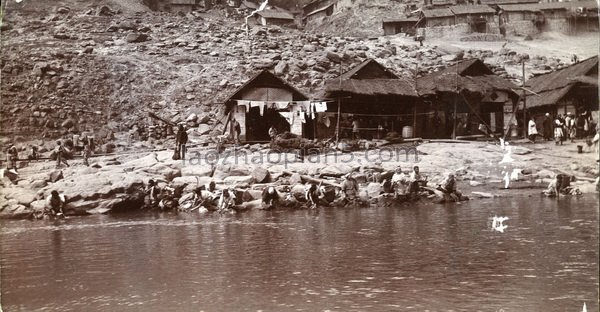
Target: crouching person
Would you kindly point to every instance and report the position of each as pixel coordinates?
(312, 196)
(191, 201)
(152, 191)
(55, 205)
(226, 201)
(350, 189)
(448, 187)
(270, 197)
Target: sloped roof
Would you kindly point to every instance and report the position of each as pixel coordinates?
(447, 82)
(398, 87)
(472, 9)
(355, 71)
(473, 75)
(248, 5)
(519, 7)
(319, 10)
(401, 20)
(492, 2)
(441, 2)
(437, 13)
(184, 2)
(567, 5)
(262, 79)
(276, 14)
(553, 86)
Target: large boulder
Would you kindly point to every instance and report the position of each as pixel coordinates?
(136, 37)
(55, 176)
(260, 174)
(196, 170)
(239, 179)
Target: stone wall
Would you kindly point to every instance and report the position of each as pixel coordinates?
(521, 28)
(447, 31)
(556, 24)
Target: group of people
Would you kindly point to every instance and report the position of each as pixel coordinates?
(562, 127)
(405, 187)
(203, 198)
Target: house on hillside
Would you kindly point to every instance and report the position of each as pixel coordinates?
(438, 17)
(405, 25)
(275, 16)
(572, 89)
(373, 96)
(494, 3)
(524, 19)
(317, 10)
(247, 6)
(569, 17)
(266, 100)
(182, 5)
(480, 18)
(432, 4)
(474, 92)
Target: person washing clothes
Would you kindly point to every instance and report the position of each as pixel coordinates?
(270, 197)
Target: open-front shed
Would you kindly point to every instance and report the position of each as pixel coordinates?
(371, 101)
(573, 89)
(266, 100)
(461, 98)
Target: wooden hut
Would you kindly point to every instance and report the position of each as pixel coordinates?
(405, 25)
(371, 95)
(572, 89)
(275, 16)
(182, 5)
(266, 100)
(438, 17)
(472, 91)
(477, 16)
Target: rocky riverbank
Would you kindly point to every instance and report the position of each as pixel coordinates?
(114, 183)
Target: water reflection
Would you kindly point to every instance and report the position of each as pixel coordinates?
(381, 258)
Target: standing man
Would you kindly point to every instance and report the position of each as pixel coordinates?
(532, 129)
(558, 131)
(236, 130)
(181, 141)
(61, 154)
(547, 127)
(12, 156)
(568, 125)
(355, 129)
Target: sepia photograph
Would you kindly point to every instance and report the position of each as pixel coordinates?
(299, 155)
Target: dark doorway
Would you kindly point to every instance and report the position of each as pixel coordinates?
(257, 126)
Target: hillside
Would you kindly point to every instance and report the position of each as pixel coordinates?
(74, 65)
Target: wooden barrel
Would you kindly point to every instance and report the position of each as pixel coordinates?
(407, 132)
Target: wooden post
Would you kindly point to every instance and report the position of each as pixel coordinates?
(524, 102)
(415, 104)
(455, 105)
(339, 110)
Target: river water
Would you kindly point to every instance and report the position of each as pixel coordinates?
(430, 257)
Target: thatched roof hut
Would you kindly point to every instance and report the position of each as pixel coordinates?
(574, 88)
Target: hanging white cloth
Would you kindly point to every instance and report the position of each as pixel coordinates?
(320, 107)
(245, 104)
(302, 118)
(282, 105)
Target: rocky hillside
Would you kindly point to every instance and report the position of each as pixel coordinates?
(102, 65)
